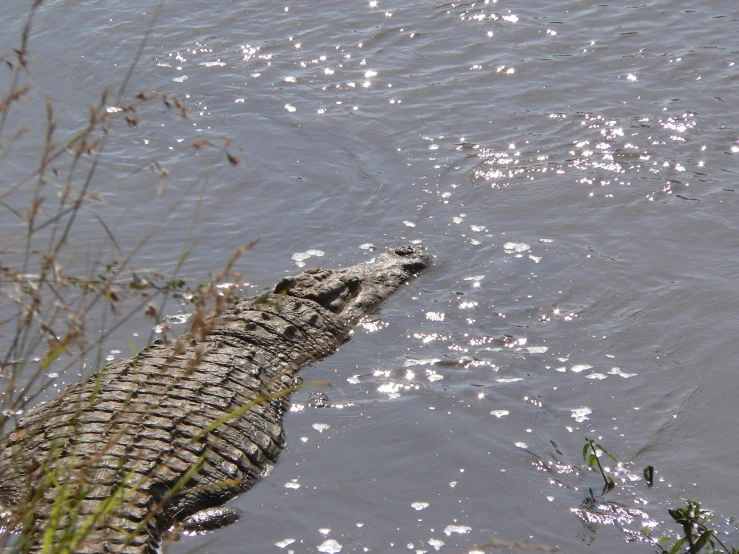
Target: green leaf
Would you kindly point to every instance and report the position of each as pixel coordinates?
(675, 549)
(703, 540)
(606, 452)
(592, 460)
(679, 515)
(585, 451)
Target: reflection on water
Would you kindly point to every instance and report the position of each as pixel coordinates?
(572, 167)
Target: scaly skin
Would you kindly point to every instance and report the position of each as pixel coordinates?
(144, 431)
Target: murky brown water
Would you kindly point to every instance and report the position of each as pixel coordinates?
(573, 165)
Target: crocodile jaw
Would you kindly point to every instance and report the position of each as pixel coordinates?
(353, 292)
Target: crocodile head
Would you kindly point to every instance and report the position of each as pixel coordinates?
(353, 292)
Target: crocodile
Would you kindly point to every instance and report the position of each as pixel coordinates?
(165, 438)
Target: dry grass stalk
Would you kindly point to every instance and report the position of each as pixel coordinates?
(47, 309)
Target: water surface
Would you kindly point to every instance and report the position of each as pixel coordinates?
(572, 165)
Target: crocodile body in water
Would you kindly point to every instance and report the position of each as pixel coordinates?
(168, 435)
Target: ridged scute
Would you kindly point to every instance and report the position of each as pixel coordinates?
(151, 440)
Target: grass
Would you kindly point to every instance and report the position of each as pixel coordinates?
(699, 534)
(590, 454)
(56, 318)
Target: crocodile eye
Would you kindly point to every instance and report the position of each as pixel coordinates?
(284, 285)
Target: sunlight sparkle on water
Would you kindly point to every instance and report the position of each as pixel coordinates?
(435, 316)
(609, 513)
(581, 414)
(372, 326)
(617, 371)
(433, 376)
(475, 280)
(329, 546)
(436, 543)
(410, 362)
(300, 257)
(391, 389)
(515, 247)
(427, 338)
(505, 380)
(461, 529)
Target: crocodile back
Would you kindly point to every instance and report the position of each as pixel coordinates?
(151, 439)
